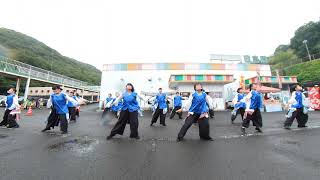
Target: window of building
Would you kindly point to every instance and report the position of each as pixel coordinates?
(36, 91)
(185, 94)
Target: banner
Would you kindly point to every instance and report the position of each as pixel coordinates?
(314, 96)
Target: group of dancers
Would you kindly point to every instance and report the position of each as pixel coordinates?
(198, 104)
(126, 108)
(63, 108)
(248, 106)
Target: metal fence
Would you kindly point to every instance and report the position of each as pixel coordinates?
(25, 70)
(314, 57)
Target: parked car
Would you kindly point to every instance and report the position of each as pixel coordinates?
(3, 100)
(21, 100)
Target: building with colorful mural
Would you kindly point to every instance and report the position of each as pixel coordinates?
(148, 77)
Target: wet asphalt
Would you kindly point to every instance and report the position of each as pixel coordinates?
(277, 154)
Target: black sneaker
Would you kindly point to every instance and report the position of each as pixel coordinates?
(16, 126)
(258, 130)
(243, 130)
(207, 139)
(46, 129)
(179, 139)
(164, 125)
(109, 137)
(287, 128)
(151, 124)
(304, 126)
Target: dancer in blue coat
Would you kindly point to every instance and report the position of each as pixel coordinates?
(162, 108)
(177, 105)
(59, 100)
(9, 118)
(253, 110)
(129, 113)
(72, 108)
(198, 113)
(239, 105)
(107, 102)
(297, 108)
(115, 108)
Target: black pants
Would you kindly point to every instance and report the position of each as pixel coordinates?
(255, 117)
(157, 113)
(63, 122)
(12, 121)
(239, 111)
(204, 131)
(72, 113)
(52, 120)
(174, 111)
(211, 113)
(78, 112)
(105, 111)
(126, 117)
(115, 113)
(302, 118)
(4, 122)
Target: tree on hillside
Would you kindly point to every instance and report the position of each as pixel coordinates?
(283, 59)
(281, 48)
(309, 32)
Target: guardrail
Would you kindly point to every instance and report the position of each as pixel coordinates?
(25, 70)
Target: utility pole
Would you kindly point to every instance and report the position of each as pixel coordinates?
(305, 43)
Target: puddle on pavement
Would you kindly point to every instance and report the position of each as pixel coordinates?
(291, 142)
(79, 145)
(3, 136)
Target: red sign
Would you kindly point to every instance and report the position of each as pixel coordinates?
(314, 96)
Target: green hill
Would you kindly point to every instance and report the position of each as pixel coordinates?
(293, 59)
(26, 49)
(307, 71)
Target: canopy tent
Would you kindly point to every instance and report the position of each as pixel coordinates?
(266, 89)
(154, 93)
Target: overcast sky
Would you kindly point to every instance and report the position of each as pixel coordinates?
(105, 31)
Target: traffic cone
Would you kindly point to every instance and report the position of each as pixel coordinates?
(29, 113)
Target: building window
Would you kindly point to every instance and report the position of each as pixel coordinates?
(185, 94)
(36, 91)
(67, 91)
(30, 91)
(42, 91)
(48, 91)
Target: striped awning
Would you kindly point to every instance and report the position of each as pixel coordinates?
(209, 78)
(272, 80)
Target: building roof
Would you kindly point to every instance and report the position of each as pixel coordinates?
(184, 66)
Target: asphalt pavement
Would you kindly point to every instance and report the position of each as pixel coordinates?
(84, 153)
